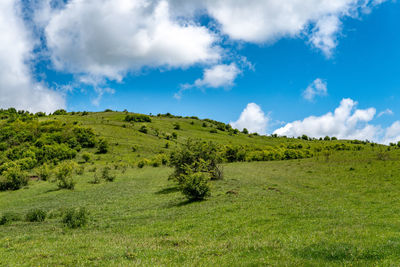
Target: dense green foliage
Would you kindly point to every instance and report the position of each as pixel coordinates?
(9, 217)
(75, 218)
(13, 179)
(27, 143)
(195, 186)
(36, 215)
(64, 175)
(137, 118)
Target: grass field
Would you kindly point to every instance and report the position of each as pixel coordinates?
(300, 212)
(341, 209)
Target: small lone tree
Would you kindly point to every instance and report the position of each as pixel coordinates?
(196, 163)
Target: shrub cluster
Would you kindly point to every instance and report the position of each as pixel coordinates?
(36, 215)
(75, 218)
(13, 179)
(9, 217)
(137, 118)
(28, 144)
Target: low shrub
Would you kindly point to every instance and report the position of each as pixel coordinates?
(86, 156)
(137, 118)
(64, 175)
(177, 126)
(9, 217)
(195, 186)
(36, 215)
(75, 218)
(96, 179)
(107, 175)
(13, 179)
(44, 172)
(103, 147)
(143, 129)
(143, 163)
(80, 170)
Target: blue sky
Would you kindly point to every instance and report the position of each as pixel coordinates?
(89, 57)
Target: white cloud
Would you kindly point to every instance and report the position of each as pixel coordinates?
(392, 134)
(385, 112)
(317, 88)
(346, 122)
(217, 76)
(253, 119)
(269, 20)
(111, 37)
(17, 86)
(106, 39)
(324, 36)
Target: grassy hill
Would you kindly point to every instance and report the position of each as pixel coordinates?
(337, 204)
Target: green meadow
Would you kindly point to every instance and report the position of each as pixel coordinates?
(335, 205)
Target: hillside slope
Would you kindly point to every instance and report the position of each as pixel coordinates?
(338, 207)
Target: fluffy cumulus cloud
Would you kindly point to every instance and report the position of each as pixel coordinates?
(110, 37)
(317, 88)
(346, 122)
(253, 119)
(392, 134)
(17, 86)
(219, 76)
(104, 40)
(266, 21)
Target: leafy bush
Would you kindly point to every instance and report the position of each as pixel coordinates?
(86, 156)
(9, 217)
(64, 175)
(177, 126)
(60, 112)
(55, 153)
(235, 153)
(137, 118)
(143, 163)
(85, 136)
(245, 131)
(36, 215)
(193, 157)
(195, 186)
(103, 147)
(143, 129)
(96, 179)
(80, 170)
(13, 179)
(44, 172)
(75, 218)
(107, 175)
